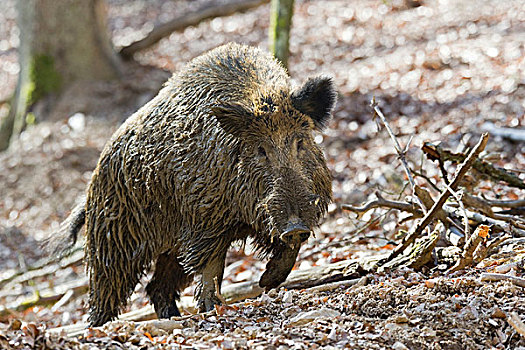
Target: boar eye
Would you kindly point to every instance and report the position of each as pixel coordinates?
(262, 152)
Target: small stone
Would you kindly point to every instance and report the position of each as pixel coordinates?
(306, 317)
(333, 334)
(493, 323)
(265, 298)
(399, 346)
(288, 297)
(391, 326)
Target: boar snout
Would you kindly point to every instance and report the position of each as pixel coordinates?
(296, 232)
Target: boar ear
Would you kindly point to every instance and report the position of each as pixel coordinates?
(232, 117)
(316, 98)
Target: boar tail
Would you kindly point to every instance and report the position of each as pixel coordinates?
(60, 243)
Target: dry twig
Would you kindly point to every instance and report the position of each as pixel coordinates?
(47, 296)
(382, 203)
(497, 225)
(50, 268)
(334, 285)
(467, 257)
(477, 203)
(505, 204)
(418, 229)
(41, 269)
(515, 321)
(426, 178)
(483, 250)
(446, 214)
(514, 134)
(459, 199)
(218, 291)
(435, 152)
(400, 152)
(495, 277)
(189, 19)
(429, 202)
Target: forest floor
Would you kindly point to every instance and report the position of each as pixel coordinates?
(441, 72)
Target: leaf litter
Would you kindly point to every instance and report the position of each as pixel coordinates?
(439, 71)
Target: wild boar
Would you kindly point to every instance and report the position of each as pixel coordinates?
(225, 152)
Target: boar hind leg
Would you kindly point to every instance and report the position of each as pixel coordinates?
(164, 288)
(206, 293)
(279, 266)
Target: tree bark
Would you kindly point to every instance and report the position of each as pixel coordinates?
(280, 24)
(61, 41)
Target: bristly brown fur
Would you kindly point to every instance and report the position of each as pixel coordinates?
(222, 153)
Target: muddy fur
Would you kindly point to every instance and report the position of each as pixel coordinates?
(224, 152)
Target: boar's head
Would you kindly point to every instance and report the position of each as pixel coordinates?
(285, 185)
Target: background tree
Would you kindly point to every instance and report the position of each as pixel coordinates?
(61, 41)
(280, 24)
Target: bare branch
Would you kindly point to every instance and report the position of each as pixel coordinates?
(483, 250)
(515, 321)
(504, 204)
(381, 202)
(218, 291)
(514, 134)
(459, 200)
(429, 202)
(444, 173)
(418, 229)
(480, 218)
(478, 203)
(334, 285)
(399, 151)
(495, 277)
(189, 19)
(435, 152)
(427, 179)
(467, 257)
(51, 267)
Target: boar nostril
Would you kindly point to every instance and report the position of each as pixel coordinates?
(293, 230)
(304, 236)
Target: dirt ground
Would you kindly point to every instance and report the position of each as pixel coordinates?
(442, 72)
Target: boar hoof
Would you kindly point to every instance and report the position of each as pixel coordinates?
(168, 311)
(207, 303)
(266, 283)
(271, 279)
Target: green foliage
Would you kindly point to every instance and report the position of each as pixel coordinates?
(44, 79)
(30, 118)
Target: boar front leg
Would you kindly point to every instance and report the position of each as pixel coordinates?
(279, 266)
(206, 293)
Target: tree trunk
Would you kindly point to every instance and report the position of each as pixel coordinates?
(61, 41)
(280, 24)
